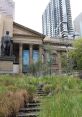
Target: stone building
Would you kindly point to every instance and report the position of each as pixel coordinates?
(28, 46)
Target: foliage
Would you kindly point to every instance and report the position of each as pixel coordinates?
(14, 93)
(40, 68)
(64, 61)
(62, 105)
(49, 59)
(10, 102)
(67, 98)
(48, 88)
(76, 54)
(36, 68)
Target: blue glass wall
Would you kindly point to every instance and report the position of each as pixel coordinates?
(35, 56)
(25, 60)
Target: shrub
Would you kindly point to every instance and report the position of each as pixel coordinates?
(47, 88)
(10, 103)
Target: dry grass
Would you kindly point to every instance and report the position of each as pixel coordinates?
(14, 94)
(10, 103)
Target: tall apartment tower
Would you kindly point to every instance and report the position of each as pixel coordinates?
(57, 20)
(78, 25)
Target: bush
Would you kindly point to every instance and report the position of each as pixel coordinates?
(47, 88)
(10, 103)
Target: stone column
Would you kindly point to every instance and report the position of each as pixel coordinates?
(1, 29)
(20, 57)
(8, 25)
(40, 53)
(30, 57)
(59, 62)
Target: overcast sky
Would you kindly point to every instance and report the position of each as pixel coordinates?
(29, 12)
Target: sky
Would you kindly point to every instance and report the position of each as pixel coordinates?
(29, 12)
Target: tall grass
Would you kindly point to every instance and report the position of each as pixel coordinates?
(14, 93)
(62, 105)
(64, 95)
(66, 101)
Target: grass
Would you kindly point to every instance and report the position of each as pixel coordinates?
(64, 95)
(66, 101)
(14, 93)
(62, 105)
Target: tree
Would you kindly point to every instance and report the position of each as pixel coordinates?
(36, 68)
(48, 64)
(76, 54)
(64, 61)
(43, 68)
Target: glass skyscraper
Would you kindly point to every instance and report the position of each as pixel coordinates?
(57, 20)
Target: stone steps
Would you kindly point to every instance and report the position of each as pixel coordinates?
(32, 105)
(32, 108)
(40, 93)
(31, 114)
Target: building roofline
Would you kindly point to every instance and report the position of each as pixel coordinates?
(31, 30)
(58, 41)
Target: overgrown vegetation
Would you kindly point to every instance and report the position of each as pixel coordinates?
(14, 93)
(64, 95)
(75, 55)
(40, 68)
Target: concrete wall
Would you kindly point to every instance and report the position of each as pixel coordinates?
(15, 68)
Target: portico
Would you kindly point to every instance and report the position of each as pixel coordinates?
(27, 55)
(27, 47)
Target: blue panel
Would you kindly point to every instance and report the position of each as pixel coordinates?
(26, 57)
(35, 56)
(25, 61)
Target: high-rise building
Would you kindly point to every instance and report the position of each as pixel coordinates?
(78, 24)
(57, 20)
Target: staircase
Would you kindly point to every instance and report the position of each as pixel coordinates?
(40, 92)
(32, 108)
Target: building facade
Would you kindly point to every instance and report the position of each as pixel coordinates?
(78, 25)
(28, 45)
(57, 20)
